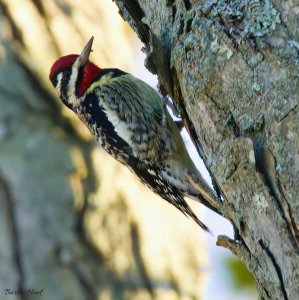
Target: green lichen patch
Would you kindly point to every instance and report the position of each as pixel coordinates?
(261, 202)
(221, 48)
(250, 17)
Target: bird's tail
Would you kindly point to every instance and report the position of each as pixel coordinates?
(187, 211)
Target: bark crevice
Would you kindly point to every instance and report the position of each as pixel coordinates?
(277, 268)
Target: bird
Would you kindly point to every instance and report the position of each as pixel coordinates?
(131, 122)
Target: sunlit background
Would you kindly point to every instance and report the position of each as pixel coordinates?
(61, 194)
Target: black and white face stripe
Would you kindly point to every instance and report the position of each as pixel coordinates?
(62, 81)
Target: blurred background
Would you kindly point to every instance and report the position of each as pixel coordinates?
(75, 224)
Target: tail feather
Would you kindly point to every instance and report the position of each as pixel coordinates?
(202, 225)
(180, 203)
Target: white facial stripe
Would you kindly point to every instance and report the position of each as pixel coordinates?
(71, 88)
(59, 79)
(73, 79)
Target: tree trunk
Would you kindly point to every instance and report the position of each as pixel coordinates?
(231, 68)
(64, 233)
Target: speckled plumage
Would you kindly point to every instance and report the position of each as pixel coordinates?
(129, 121)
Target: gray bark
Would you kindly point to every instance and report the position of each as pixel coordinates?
(232, 69)
(58, 233)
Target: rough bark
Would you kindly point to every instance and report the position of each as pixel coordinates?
(231, 68)
(63, 229)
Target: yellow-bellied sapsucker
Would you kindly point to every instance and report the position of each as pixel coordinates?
(128, 119)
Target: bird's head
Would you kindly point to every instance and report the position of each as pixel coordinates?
(72, 74)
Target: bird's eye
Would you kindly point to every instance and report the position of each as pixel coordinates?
(66, 75)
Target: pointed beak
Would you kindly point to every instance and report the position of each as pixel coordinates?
(84, 56)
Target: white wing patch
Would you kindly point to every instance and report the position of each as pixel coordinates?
(120, 127)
